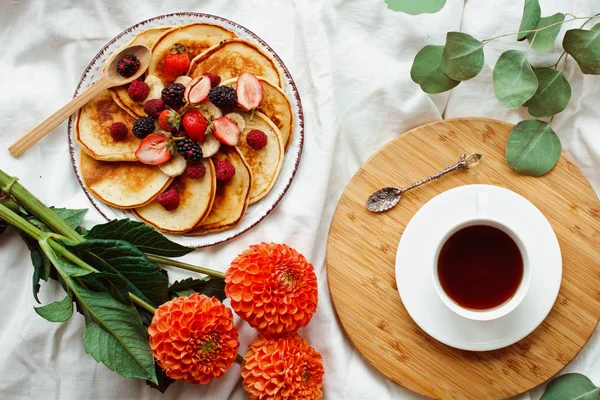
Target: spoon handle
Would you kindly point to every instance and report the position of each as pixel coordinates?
(30, 138)
(463, 163)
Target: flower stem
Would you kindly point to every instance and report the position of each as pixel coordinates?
(141, 303)
(20, 223)
(186, 266)
(239, 359)
(10, 185)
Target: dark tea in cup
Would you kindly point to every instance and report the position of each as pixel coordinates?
(480, 267)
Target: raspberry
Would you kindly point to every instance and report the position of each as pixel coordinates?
(256, 139)
(172, 94)
(142, 127)
(154, 107)
(224, 170)
(224, 97)
(214, 79)
(169, 200)
(195, 170)
(189, 149)
(128, 65)
(118, 131)
(138, 91)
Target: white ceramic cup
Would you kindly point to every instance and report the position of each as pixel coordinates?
(491, 313)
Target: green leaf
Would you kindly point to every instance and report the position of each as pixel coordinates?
(73, 217)
(514, 80)
(163, 380)
(427, 73)
(209, 286)
(113, 284)
(531, 16)
(552, 95)
(463, 57)
(532, 148)
(544, 39)
(144, 279)
(114, 334)
(584, 47)
(415, 7)
(59, 311)
(144, 237)
(41, 264)
(571, 387)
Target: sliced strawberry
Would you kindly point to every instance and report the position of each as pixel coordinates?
(249, 91)
(226, 131)
(155, 149)
(197, 90)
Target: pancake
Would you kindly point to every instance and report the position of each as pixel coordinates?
(92, 130)
(276, 106)
(265, 163)
(197, 196)
(231, 199)
(122, 184)
(196, 37)
(119, 93)
(234, 57)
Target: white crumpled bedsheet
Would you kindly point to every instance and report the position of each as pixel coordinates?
(351, 60)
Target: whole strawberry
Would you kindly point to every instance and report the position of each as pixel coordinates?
(195, 125)
(176, 63)
(169, 120)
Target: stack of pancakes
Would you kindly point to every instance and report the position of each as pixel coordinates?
(112, 174)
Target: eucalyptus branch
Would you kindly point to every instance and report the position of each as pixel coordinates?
(486, 41)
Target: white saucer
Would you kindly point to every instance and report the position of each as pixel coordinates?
(415, 256)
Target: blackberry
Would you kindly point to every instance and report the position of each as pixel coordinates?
(172, 94)
(189, 149)
(128, 65)
(223, 97)
(143, 126)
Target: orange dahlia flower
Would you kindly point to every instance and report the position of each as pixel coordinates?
(193, 338)
(285, 368)
(273, 288)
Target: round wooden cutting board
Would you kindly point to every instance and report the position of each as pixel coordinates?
(362, 249)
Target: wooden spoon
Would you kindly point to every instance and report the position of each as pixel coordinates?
(110, 78)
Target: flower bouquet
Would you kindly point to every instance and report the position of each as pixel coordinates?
(141, 326)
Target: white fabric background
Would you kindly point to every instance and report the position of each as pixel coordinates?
(351, 60)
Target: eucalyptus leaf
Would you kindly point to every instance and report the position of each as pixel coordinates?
(514, 80)
(144, 279)
(552, 95)
(543, 41)
(533, 148)
(427, 73)
(415, 7)
(584, 47)
(114, 334)
(59, 311)
(209, 286)
(463, 57)
(571, 387)
(531, 16)
(144, 237)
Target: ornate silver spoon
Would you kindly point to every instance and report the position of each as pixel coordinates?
(388, 197)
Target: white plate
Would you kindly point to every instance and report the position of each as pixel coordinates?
(415, 257)
(256, 212)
